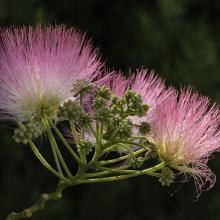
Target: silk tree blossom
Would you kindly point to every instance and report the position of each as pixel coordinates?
(185, 129)
(38, 67)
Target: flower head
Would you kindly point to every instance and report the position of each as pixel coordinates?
(38, 67)
(185, 130)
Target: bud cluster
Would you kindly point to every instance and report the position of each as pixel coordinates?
(167, 176)
(26, 132)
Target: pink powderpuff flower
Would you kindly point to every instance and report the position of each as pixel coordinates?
(38, 67)
(186, 133)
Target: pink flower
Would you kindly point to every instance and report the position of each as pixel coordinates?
(185, 130)
(38, 67)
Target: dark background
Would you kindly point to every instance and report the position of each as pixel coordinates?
(180, 39)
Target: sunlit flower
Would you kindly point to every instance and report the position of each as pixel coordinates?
(38, 67)
(185, 130)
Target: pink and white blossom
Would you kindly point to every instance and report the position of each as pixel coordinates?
(39, 65)
(186, 132)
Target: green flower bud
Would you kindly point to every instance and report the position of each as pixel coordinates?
(144, 128)
(103, 114)
(86, 146)
(125, 129)
(69, 109)
(136, 162)
(84, 120)
(27, 132)
(167, 176)
(81, 87)
(98, 103)
(103, 92)
(27, 213)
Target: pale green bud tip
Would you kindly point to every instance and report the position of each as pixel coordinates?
(136, 162)
(27, 213)
(81, 86)
(167, 176)
(86, 146)
(44, 197)
(27, 132)
(103, 92)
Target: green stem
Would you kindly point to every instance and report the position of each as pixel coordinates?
(75, 137)
(117, 170)
(40, 204)
(105, 172)
(135, 153)
(65, 143)
(116, 146)
(54, 155)
(56, 149)
(134, 144)
(81, 103)
(99, 136)
(138, 137)
(149, 171)
(93, 131)
(44, 162)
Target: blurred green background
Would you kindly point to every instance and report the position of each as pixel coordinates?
(180, 39)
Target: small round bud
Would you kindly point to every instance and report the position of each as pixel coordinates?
(81, 87)
(58, 196)
(26, 132)
(98, 103)
(103, 92)
(68, 110)
(44, 197)
(136, 162)
(85, 145)
(27, 213)
(167, 176)
(103, 115)
(144, 128)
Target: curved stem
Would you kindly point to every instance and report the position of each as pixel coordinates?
(56, 148)
(137, 137)
(134, 144)
(135, 153)
(105, 172)
(44, 162)
(53, 148)
(118, 170)
(99, 136)
(149, 171)
(116, 146)
(75, 137)
(65, 143)
(40, 204)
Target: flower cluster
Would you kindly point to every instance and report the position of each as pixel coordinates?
(52, 75)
